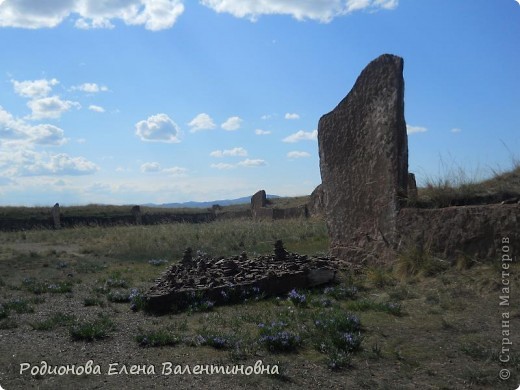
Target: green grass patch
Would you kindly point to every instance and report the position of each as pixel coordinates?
(40, 287)
(58, 319)
(18, 305)
(157, 338)
(91, 330)
(418, 262)
(277, 338)
(118, 296)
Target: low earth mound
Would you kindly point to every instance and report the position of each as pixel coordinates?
(203, 280)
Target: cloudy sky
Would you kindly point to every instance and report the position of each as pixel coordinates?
(139, 101)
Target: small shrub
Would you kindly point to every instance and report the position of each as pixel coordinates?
(156, 338)
(92, 330)
(296, 298)
(58, 319)
(41, 287)
(337, 334)
(379, 277)
(218, 341)
(341, 292)
(336, 320)
(19, 306)
(137, 300)
(418, 262)
(338, 359)
(59, 288)
(277, 339)
(116, 282)
(118, 297)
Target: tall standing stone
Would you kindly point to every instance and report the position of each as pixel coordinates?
(364, 163)
(136, 213)
(55, 213)
(258, 201)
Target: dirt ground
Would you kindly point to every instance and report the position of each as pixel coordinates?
(449, 335)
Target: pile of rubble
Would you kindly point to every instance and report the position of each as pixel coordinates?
(201, 278)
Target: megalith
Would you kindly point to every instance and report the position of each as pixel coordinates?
(258, 201)
(55, 213)
(363, 150)
(136, 213)
(317, 201)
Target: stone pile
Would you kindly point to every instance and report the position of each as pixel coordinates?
(226, 280)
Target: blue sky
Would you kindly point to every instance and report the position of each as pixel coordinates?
(138, 101)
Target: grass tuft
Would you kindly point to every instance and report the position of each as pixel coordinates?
(92, 330)
(156, 338)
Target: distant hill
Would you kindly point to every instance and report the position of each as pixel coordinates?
(222, 202)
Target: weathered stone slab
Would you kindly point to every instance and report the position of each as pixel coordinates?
(258, 201)
(475, 232)
(136, 213)
(317, 201)
(364, 163)
(55, 213)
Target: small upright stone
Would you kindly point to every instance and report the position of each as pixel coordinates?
(187, 257)
(279, 251)
(363, 150)
(55, 213)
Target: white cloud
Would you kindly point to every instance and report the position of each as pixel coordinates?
(222, 166)
(262, 132)
(50, 107)
(34, 88)
(158, 128)
(241, 152)
(456, 130)
(301, 135)
(90, 88)
(46, 135)
(292, 116)
(26, 162)
(94, 108)
(150, 167)
(232, 123)
(322, 11)
(175, 171)
(201, 122)
(252, 163)
(296, 154)
(17, 129)
(267, 116)
(415, 129)
(153, 14)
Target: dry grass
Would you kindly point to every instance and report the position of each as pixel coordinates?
(457, 187)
